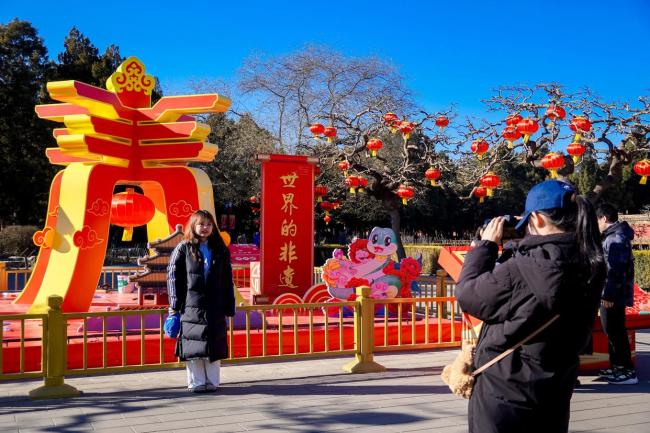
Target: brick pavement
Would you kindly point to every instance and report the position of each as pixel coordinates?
(302, 396)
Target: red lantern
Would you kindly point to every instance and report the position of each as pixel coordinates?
(336, 204)
(406, 127)
(433, 174)
(490, 181)
(442, 122)
(554, 112)
(479, 147)
(130, 209)
(326, 206)
(253, 199)
(327, 219)
(392, 121)
(513, 119)
(553, 162)
(344, 166)
(406, 193)
(363, 182)
(527, 127)
(317, 129)
(576, 150)
(320, 191)
(642, 168)
(352, 182)
(480, 192)
(581, 125)
(374, 144)
(510, 133)
(330, 133)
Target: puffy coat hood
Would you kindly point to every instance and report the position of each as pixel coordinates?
(620, 228)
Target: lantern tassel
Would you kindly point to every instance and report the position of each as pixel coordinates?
(576, 158)
(127, 234)
(489, 192)
(316, 137)
(510, 145)
(479, 156)
(480, 200)
(360, 190)
(553, 174)
(406, 136)
(526, 137)
(320, 199)
(374, 154)
(644, 180)
(353, 191)
(393, 130)
(404, 201)
(329, 139)
(442, 128)
(577, 137)
(433, 182)
(345, 173)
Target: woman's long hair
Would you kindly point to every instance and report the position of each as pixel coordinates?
(578, 215)
(215, 242)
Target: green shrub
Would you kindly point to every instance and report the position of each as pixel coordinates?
(17, 240)
(642, 269)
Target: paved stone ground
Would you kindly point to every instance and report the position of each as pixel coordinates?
(302, 396)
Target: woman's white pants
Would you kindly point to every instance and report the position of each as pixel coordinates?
(201, 372)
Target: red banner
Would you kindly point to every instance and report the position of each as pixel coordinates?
(287, 230)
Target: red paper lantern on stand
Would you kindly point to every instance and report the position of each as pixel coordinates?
(352, 182)
(513, 119)
(330, 133)
(490, 181)
(642, 168)
(553, 162)
(317, 129)
(344, 166)
(580, 125)
(479, 147)
(576, 150)
(433, 174)
(406, 193)
(511, 134)
(480, 192)
(130, 209)
(527, 127)
(373, 145)
(442, 122)
(320, 191)
(363, 182)
(554, 112)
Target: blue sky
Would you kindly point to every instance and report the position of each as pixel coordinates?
(449, 52)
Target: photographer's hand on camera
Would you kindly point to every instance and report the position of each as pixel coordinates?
(494, 230)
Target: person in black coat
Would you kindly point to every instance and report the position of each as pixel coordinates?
(557, 268)
(201, 290)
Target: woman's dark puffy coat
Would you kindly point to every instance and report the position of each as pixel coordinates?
(530, 389)
(203, 304)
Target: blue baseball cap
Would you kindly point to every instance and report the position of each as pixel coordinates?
(549, 194)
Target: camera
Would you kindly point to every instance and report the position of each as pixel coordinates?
(509, 231)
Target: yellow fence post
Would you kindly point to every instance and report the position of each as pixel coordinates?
(55, 344)
(364, 335)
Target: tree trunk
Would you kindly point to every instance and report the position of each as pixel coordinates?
(395, 224)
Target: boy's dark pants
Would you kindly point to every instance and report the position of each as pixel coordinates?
(618, 345)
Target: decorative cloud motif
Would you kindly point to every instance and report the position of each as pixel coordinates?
(180, 209)
(86, 238)
(54, 212)
(44, 238)
(99, 208)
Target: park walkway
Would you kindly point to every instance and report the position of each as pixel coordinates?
(302, 396)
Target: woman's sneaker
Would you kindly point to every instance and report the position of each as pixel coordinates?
(607, 373)
(624, 377)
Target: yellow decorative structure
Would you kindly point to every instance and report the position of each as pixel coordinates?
(115, 137)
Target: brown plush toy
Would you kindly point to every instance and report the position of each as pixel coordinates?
(458, 374)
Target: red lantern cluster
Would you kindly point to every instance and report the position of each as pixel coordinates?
(352, 182)
(406, 193)
(511, 134)
(320, 191)
(555, 112)
(576, 150)
(344, 166)
(480, 147)
(490, 181)
(317, 129)
(527, 127)
(580, 125)
(130, 209)
(330, 133)
(513, 119)
(442, 122)
(480, 192)
(553, 162)
(433, 174)
(373, 145)
(642, 168)
(392, 121)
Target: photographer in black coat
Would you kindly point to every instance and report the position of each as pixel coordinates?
(201, 290)
(557, 268)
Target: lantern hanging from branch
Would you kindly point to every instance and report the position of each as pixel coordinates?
(363, 182)
(442, 122)
(336, 204)
(433, 174)
(352, 182)
(642, 168)
(480, 147)
(326, 206)
(553, 162)
(392, 121)
(406, 127)
(576, 150)
(344, 166)
(580, 125)
(130, 209)
(527, 127)
(406, 193)
(490, 181)
(511, 134)
(317, 129)
(330, 133)
(327, 219)
(513, 119)
(253, 199)
(480, 192)
(320, 191)
(373, 145)
(555, 112)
